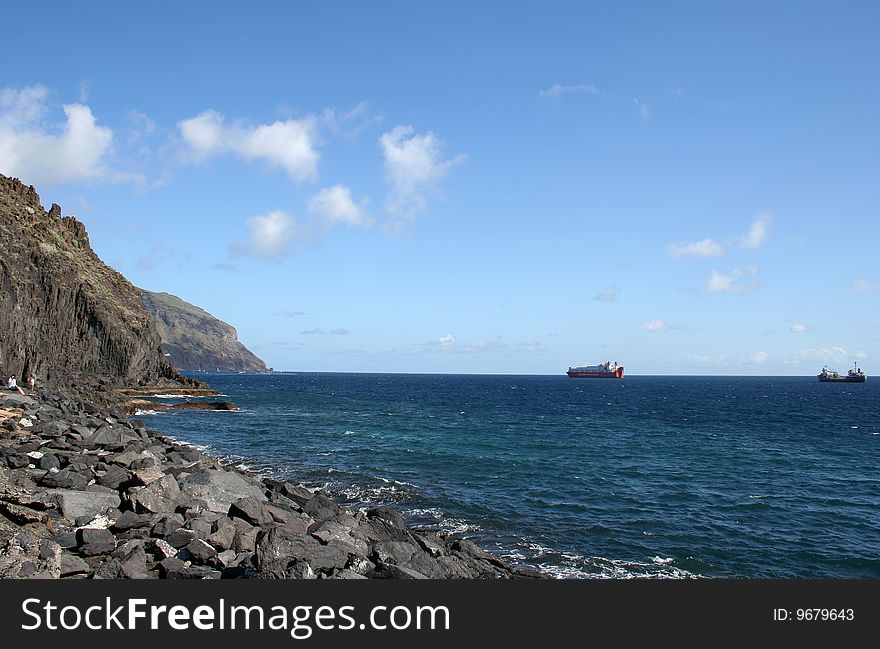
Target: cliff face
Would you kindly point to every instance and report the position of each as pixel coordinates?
(195, 339)
(64, 315)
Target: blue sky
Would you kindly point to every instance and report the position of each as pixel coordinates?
(472, 187)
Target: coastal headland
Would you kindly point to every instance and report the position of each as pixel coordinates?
(86, 492)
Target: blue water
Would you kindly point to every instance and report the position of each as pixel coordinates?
(646, 476)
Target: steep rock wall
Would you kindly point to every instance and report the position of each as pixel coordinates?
(65, 315)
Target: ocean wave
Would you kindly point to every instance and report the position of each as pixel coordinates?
(141, 413)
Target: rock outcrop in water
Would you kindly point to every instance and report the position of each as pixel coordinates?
(65, 316)
(196, 340)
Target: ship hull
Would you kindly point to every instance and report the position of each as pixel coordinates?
(843, 379)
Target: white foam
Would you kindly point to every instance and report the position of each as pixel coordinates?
(140, 413)
(350, 432)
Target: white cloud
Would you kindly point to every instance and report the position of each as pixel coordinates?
(706, 359)
(608, 295)
(413, 167)
(557, 90)
(758, 358)
(799, 328)
(290, 144)
(270, 236)
(736, 282)
(704, 248)
(659, 325)
(758, 232)
(51, 154)
(865, 286)
(447, 340)
(336, 205)
(479, 346)
(322, 332)
(824, 355)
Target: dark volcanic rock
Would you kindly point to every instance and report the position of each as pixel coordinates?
(219, 488)
(278, 548)
(251, 509)
(95, 541)
(65, 315)
(320, 507)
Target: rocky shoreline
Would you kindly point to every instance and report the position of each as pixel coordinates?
(86, 492)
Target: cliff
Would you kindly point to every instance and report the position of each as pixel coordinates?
(195, 339)
(65, 315)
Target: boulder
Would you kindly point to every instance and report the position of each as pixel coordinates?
(49, 461)
(161, 495)
(384, 524)
(166, 523)
(320, 507)
(181, 537)
(219, 489)
(201, 551)
(147, 475)
(251, 509)
(106, 435)
(94, 541)
(132, 560)
(64, 479)
(332, 532)
(114, 477)
(72, 565)
(129, 520)
(406, 555)
(279, 547)
(78, 504)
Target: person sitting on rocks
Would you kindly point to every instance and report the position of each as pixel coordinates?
(12, 384)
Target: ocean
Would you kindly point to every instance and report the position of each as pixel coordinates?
(649, 476)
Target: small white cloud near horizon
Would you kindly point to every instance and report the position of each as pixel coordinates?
(608, 295)
(335, 205)
(557, 90)
(734, 282)
(659, 325)
(758, 232)
(270, 236)
(290, 144)
(49, 154)
(799, 328)
(414, 167)
(704, 248)
(866, 286)
(824, 355)
(706, 359)
(758, 358)
(321, 332)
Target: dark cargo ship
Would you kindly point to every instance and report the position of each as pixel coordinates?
(855, 375)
